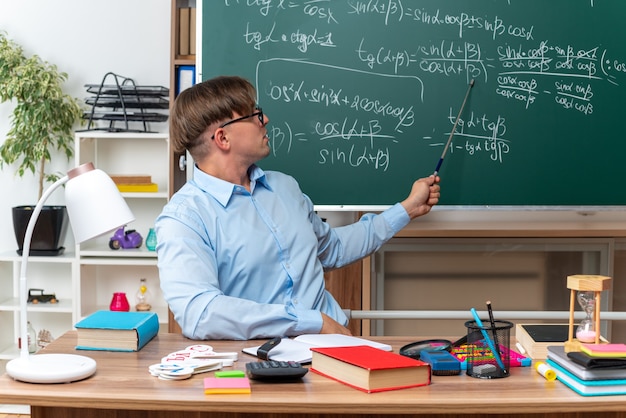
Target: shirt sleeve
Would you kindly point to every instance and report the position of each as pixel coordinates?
(343, 245)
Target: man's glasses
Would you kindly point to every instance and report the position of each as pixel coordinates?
(258, 114)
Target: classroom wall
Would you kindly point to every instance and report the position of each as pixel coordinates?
(85, 39)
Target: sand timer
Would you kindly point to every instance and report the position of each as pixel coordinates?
(142, 296)
(587, 290)
(586, 331)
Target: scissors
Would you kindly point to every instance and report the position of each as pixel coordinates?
(201, 351)
(198, 358)
(183, 370)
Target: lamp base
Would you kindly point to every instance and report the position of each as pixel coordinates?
(51, 368)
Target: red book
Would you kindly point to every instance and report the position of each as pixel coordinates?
(369, 369)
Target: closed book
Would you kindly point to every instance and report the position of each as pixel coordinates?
(184, 14)
(192, 31)
(138, 187)
(116, 331)
(132, 178)
(369, 369)
(217, 385)
(588, 387)
(558, 355)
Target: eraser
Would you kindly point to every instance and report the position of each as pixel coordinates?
(230, 373)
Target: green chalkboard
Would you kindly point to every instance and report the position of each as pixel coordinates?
(362, 95)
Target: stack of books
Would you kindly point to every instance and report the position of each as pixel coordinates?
(135, 183)
(589, 375)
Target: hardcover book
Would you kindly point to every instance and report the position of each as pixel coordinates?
(298, 349)
(588, 387)
(369, 369)
(116, 331)
(558, 355)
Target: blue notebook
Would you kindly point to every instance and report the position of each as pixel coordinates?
(116, 331)
(588, 387)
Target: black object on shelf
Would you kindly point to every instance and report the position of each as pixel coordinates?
(119, 99)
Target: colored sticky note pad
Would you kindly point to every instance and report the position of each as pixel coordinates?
(220, 385)
(604, 350)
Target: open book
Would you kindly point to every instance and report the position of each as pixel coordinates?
(299, 348)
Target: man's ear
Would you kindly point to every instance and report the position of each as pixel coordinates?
(220, 139)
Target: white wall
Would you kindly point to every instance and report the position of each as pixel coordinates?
(85, 39)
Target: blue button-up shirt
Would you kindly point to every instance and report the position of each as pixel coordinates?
(235, 264)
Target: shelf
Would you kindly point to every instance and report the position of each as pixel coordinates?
(145, 195)
(9, 352)
(12, 256)
(13, 304)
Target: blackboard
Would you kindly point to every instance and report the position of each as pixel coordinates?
(362, 95)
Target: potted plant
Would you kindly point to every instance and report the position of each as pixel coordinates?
(41, 126)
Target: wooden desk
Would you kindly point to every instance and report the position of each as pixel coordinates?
(123, 388)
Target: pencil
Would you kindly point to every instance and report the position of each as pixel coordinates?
(493, 326)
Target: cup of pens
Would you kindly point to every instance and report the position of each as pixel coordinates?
(487, 346)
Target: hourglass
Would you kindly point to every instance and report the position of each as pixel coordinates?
(586, 331)
(142, 297)
(589, 289)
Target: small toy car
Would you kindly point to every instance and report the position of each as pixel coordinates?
(125, 239)
(37, 296)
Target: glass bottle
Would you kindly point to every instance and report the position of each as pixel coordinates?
(142, 297)
(32, 338)
(119, 302)
(151, 240)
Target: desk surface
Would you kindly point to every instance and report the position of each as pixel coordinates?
(122, 381)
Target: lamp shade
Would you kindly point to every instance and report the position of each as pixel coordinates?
(94, 204)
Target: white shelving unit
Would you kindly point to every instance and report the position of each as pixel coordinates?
(85, 279)
(54, 275)
(103, 271)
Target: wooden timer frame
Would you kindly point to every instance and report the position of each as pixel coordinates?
(585, 283)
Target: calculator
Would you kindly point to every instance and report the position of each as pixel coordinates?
(275, 371)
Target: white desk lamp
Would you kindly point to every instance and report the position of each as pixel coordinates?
(94, 206)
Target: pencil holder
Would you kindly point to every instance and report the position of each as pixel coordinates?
(485, 358)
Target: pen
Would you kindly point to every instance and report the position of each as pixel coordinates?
(496, 354)
(493, 326)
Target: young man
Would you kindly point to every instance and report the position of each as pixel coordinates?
(241, 252)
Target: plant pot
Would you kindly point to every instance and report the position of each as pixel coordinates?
(49, 233)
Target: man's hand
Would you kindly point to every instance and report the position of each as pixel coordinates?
(330, 326)
(424, 195)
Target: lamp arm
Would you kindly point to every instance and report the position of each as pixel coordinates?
(28, 236)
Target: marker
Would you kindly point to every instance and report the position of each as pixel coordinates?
(456, 122)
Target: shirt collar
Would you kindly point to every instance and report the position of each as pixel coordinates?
(223, 190)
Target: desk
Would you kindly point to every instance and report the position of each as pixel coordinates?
(123, 388)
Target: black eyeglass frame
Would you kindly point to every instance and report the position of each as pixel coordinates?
(258, 114)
